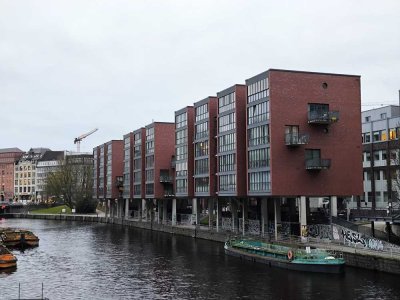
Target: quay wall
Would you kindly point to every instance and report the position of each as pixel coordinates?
(353, 257)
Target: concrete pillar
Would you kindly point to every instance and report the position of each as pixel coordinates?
(277, 215)
(264, 215)
(196, 211)
(164, 211)
(244, 215)
(234, 215)
(210, 212)
(303, 216)
(121, 208)
(333, 203)
(144, 209)
(140, 209)
(219, 214)
(174, 212)
(159, 209)
(127, 209)
(107, 212)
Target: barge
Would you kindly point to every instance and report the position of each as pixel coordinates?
(309, 260)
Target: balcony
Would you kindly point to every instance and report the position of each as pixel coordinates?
(296, 139)
(165, 177)
(168, 193)
(119, 181)
(323, 117)
(318, 164)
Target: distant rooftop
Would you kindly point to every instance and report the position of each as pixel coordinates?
(13, 150)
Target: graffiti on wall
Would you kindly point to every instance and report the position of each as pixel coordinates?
(319, 231)
(355, 238)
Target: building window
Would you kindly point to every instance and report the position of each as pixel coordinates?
(201, 166)
(201, 130)
(181, 169)
(376, 155)
(258, 135)
(258, 158)
(181, 120)
(227, 183)
(368, 119)
(202, 184)
(181, 185)
(377, 175)
(376, 136)
(227, 142)
(259, 181)
(226, 103)
(258, 113)
(202, 112)
(149, 188)
(383, 116)
(181, 137)
(367, 156)
(227, 122)
(227, 163)
(201, 149)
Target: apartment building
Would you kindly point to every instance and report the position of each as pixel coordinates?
(49, 163)
(303, 138)
(108, 169)
(380, 137)
(8, 157)
(231, 142)
(25, 175)
(184, 153)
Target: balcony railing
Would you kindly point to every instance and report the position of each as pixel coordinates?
(318, 164)
(328, 117)
(296, 139)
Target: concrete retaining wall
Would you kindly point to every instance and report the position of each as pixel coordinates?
(361, 260)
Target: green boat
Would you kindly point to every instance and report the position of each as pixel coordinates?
(310, 260)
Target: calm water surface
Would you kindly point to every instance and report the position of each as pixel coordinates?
(100, 261)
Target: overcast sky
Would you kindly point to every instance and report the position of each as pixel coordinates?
(67, 67)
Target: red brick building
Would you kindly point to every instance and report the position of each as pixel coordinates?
(108, 173)
(8, 157)
(303, 137)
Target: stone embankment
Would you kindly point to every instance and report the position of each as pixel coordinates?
(356, 257)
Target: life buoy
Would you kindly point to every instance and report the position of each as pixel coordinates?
(290, 255)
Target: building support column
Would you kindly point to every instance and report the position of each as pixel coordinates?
(107, 210)
(210, 212)
(303, 217)
(195, 211)
(264, 216)
(164, 211)
(144, 210)
(234, 215)
(333, 208)
(277, 215)
(219, 214)
(173, 212)
(159, 209)
(140, 210)
(127, 209)
(244, 215)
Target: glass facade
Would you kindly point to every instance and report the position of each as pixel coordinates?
(181, 153)
(127, 167)
(149, 161)
(137, 164)
(258, 142)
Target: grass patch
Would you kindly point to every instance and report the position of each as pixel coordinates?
(52, 210)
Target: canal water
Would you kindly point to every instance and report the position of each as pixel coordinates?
(102, 261)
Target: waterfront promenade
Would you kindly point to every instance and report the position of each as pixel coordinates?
(385, 260)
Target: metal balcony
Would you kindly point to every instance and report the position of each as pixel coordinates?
(119, 181)
(318, 164)
(296, 139)
(324, 118)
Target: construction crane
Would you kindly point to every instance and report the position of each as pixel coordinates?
(78, 140)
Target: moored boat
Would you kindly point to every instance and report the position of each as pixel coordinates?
(7, 259)
(310, 260)
(18, 238)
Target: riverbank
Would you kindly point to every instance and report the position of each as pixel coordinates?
(356, 257)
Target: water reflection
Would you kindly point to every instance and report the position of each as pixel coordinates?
(98, 261)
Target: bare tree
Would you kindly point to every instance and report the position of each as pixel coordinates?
(73, 184)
